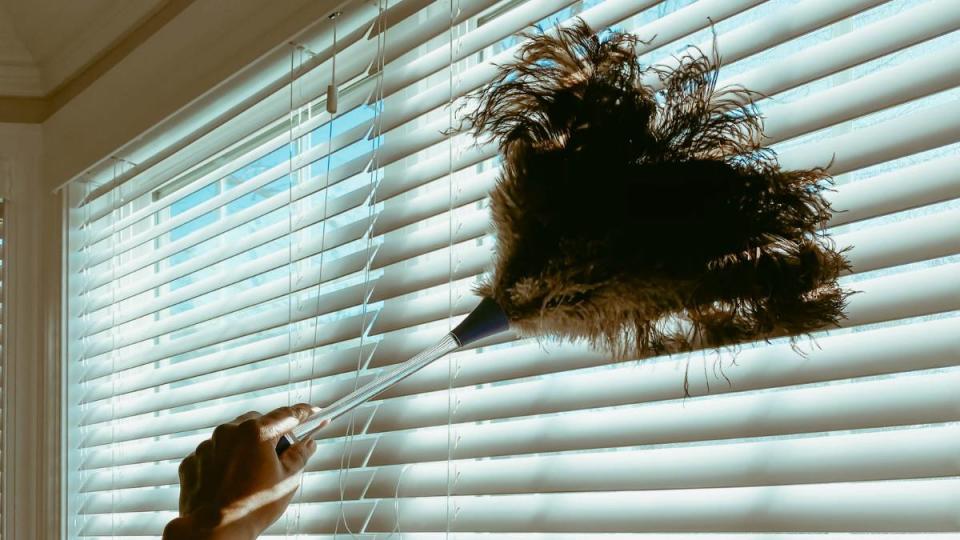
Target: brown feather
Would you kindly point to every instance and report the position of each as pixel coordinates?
(647, 221)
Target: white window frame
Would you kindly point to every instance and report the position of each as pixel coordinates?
(32, 456)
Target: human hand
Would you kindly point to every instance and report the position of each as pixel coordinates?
(235, 485)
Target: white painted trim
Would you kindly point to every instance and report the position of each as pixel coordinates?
(6, 171)
(31, 442)
(60, 527)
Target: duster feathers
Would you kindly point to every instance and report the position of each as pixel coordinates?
(645, 221)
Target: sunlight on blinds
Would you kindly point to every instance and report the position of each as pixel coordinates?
(296, 259)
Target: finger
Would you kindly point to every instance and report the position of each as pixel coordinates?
(204, 453)
(205, 467)
(188, 470)
(223, 434)
(279, 421)
(188, 482)
(295, 458)
(250, 415)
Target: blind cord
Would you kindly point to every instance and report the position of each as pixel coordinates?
(116, 215)
(346, 455)
(113, 359)
(84, 341)
(291, 174)
(323, 235)
(454, 7)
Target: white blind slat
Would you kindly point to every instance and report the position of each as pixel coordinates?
(397, 77)
(923, 292)
(903, 242)
(870, 455)
(920, 346)
(900, 506)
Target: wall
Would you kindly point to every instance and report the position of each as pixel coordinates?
(31, 373)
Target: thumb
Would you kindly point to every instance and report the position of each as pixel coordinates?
(295, 457)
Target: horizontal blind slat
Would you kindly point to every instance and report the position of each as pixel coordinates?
(886, 506)
(903, 242)
(416, 31)
(399, 75)
(95, 232)
(860, 97)
(895, 301)
(864, 456)
(726, 417)
(918, 346)
(922, 130)
(785, 24)
(263, 179)
(921, 505)
(673, 26)
(867, 43)
(225, 225)
(886, 36)
(925, 183)
(330, 332)
(918, 239)
(278, 289)
(334, 268)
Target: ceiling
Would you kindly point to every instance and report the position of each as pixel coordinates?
(45, 43)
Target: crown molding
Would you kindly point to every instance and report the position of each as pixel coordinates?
(115, 22)
(23, 110)
(30, 105)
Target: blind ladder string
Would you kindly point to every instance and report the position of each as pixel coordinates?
(113, 358)
(453, 361)
(293, 115)
(116, 208)
(378, 100)
(348, 436)
(84, 340)
(323, 234)
(374, 179)
(450, 266)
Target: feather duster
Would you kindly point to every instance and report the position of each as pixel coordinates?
(646, 221)
(643, 221)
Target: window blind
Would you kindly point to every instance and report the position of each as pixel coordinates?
(295, 259)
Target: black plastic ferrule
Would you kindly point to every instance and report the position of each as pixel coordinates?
(486, 320)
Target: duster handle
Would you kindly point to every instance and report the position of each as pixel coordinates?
(486, 320)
